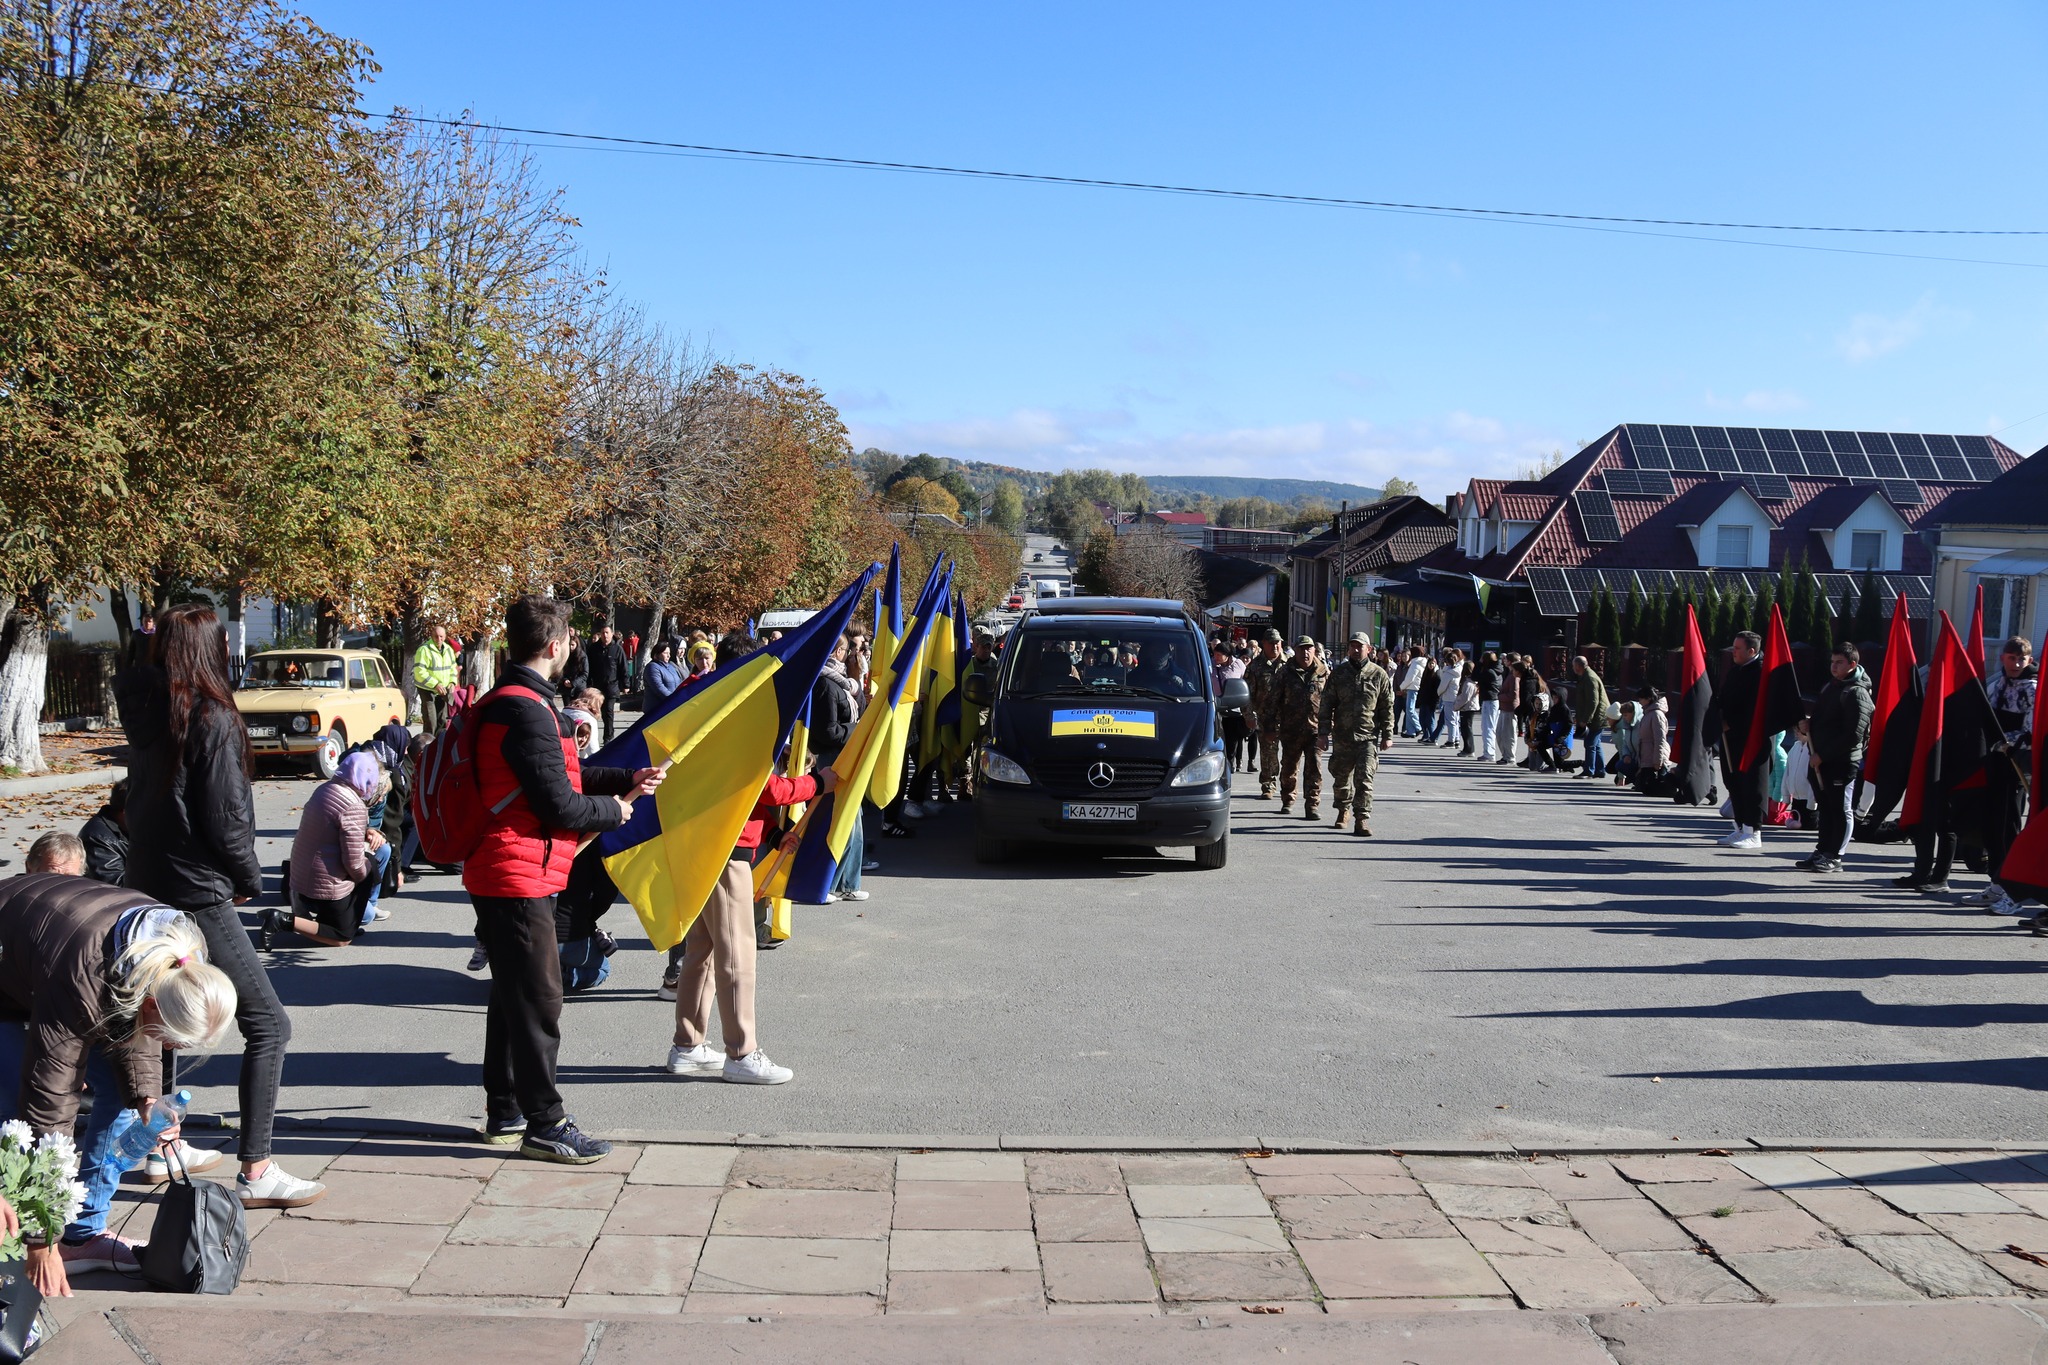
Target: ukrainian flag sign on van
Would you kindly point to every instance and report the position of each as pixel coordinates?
(1142, 724)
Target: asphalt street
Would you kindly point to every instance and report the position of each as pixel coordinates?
(1515, 956)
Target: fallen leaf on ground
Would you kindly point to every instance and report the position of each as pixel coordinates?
(1259, 1308)
(2014, 1250)
(1717, 1151)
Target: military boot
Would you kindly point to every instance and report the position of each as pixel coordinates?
(1362, 828)
(1287, 805)
(1310, 812)
(1343, 814)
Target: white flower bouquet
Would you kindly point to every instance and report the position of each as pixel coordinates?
(39, 1176)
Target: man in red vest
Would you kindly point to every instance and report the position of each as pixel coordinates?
(542, 802)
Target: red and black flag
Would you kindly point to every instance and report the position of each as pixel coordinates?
(1778, 704)
(1956, 731)
(2025, 869)
(1896, 714)
(1691, 746)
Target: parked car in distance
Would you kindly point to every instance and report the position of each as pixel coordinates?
(311, 704)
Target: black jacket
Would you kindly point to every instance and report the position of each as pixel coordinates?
(191, 824)
(832, 716)
(1488, 677)
(1734, 707)
(608, 669)
(1840, 723)
(106, 847)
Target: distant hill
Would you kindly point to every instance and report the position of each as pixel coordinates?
(1276, 490)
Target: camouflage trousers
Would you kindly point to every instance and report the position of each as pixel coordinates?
(1353, 765)
(1299, 747)
(1269, 762)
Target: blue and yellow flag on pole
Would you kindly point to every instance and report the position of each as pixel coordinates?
(941, 676)
(721, 737)
(907, 663)
(888, 618)
(827, 826)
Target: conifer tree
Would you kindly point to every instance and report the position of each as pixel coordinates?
(1869, 626)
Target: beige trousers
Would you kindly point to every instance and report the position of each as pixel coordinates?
(718, 958)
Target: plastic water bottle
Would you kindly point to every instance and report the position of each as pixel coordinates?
(136, 1140)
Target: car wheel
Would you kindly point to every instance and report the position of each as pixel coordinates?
(1214, 855)
(988, 849)
(327, 758)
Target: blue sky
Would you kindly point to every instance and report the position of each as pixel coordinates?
(1056, 327)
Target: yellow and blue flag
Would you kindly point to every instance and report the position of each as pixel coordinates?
(941, 677)
(720, 737)
(907, 663)
(888, 619)
(827, 827)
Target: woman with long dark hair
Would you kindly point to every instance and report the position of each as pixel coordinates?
(192, 845)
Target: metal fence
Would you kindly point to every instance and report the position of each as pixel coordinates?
(74, 684)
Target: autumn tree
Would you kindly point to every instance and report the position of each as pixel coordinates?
(1141, 564)
(1006, 507)
(177, 183)
(922, 495)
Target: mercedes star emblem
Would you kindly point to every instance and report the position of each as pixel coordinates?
(1101, 775)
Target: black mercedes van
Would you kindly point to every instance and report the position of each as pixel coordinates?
(1104, 728)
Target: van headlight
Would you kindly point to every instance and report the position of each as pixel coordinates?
(997, 768)
(1200, 773)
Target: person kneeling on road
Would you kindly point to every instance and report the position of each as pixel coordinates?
(719, 951)
(337, 859)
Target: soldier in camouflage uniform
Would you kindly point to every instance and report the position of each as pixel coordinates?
(1298, 709)
(1259, 676)
(1358, 722)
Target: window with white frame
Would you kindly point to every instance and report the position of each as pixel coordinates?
(1731, 547)
(2005, 607)
(1866, 550)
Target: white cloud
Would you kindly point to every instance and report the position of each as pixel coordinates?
(1871, 335)
(1439, 455)
(1759, 400)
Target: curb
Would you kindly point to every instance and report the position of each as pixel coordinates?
(57, 782)
(448, 1132)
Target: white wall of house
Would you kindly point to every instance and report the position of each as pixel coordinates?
(1509, 534)
(1956, 579)
(90, 620)
(1875, 518)
(1735, 536)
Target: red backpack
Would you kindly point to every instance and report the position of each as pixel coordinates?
(448, 810)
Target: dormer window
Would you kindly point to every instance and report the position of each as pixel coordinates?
(1866, 551)
(1731, 546)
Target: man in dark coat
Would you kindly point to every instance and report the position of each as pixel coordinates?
(105, 837)
(1836, 733)
(608, 674)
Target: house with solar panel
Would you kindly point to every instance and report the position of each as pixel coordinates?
(1665, 508)
(1995, 538)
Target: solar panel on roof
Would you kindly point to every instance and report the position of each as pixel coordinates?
(1920, 467)
(1777, 438)
(1639, 483)
(1876, 443)
(1955, 469)
(1838, 587)
(1640, 433)
(1652, 457)
(1901, 492)
(1906, 443)
(1688, 459)
(1976, 447)
(1674, 437)
(1888, 466)
(1854, 465)
(1986, 470)
(1712, 438)
(1840, 441)
(1745, 438)
(1553, 591)
(1619, 582)
(1789, 462)
(1821, 463)
(1721, 461)
(1753, 461)
(1810, 440)
(1767, 487)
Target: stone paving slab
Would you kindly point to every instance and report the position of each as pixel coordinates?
(705, 1230)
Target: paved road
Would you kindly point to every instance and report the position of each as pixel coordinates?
(1516, 956)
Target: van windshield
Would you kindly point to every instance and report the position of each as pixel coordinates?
(1109, 659)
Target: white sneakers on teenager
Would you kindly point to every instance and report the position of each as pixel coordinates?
(755, 1069)
(275, 1189)
(190, 1158)
(1751, 839)
(1730, 839)
(701, 1060)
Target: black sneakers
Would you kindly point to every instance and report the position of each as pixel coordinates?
(1818, 863)
(566, 1143)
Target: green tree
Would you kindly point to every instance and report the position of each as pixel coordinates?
(1760, 610)
(1398, 487)
(1734, 616)
(1870, 622)
(1799, 614)
(1823, 638)
(1632, 618)
(1609, 634)
(1650, 630)
(1006, 507)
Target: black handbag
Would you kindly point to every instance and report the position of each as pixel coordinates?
(20, 1301)
(200, 1241)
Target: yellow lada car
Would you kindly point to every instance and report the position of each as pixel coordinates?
(311, 704)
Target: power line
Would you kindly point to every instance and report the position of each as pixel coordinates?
(1635, 226)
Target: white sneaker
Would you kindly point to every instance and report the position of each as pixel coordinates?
(274, 1189)
(1751, 839)
(701, 1060)
(853, 895)
(1731, 838)
(191, 1159)
(1990, 895)
(831, 896)
(2003, 903)
(755, 1069)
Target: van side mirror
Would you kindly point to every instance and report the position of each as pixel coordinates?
(976, 690)
(1236, 696)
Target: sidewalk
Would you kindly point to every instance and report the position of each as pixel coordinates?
(754, 1230)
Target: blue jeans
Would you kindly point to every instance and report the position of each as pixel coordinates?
(1432, 723)
(380, 860)
(1596, 761)
(1411, 723)
(100, 1175)
(856, 854)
